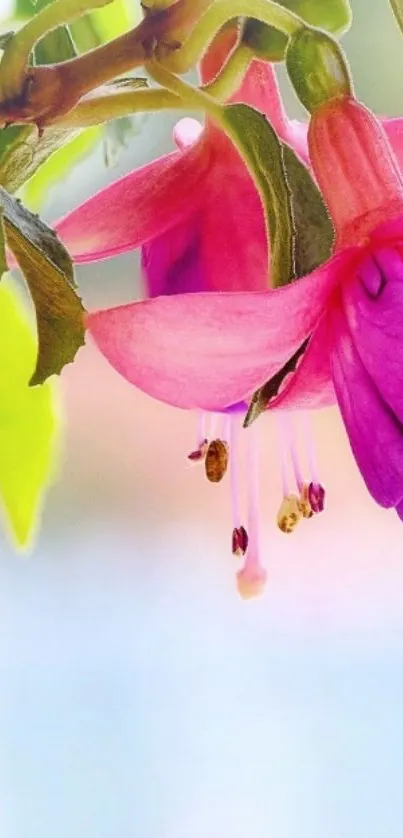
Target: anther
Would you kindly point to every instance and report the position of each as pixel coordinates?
(304, 502)
(216, 460)
(240, 540)
(316, 497)
(199, 454)
(289, 513)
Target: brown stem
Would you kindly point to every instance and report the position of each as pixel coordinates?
(55, 89)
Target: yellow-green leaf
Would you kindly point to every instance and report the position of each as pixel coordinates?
(48, 270)
(29, 422)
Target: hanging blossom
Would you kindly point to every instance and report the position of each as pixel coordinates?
(200, 222)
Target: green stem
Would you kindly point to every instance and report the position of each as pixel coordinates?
(397, 7)
(216, 16)
(231, 74)
(194, 97)
(95, 110)
(18, 50)
(101, 107)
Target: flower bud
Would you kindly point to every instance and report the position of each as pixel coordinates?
(317, 68)
(270, 44)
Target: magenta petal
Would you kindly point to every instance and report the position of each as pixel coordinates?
(376, 436)
(373, 306)
(173, 263)
(139, 206)
(211, 350)
(311, 385)
(222, 247)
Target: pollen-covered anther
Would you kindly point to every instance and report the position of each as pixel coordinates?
(251, 581)
(240, 540)
(216, 460)
(316, 496)
(289, 514)
(304, 502)
(200, 453)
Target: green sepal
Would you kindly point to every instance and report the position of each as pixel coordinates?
(270, 44)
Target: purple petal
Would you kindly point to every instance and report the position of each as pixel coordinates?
(376, 436)
(373, 306)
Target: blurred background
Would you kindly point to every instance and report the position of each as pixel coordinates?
(139, 696)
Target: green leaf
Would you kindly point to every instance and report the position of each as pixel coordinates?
(312, 242)
(29, 422)
(5, 38)
(313, 229)
(23, 150)
(262, 151)
(48, 271)
(57, 46)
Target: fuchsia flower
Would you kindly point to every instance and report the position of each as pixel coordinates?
(200, 222)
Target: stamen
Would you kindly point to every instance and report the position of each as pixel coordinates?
(216, 460)
(315, 491)
(310, 498)
(289, 514)
(252, 578)
(234, 466)
(239, 534)
(316, 496)
(304, 502)
(240, 540)
(202, 427)
(290, 437)
(200, 452)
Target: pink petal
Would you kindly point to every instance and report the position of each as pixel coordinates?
(235, 249)
(311, 385)
(212, 350)
(187, 132)
(139, 206)
(223, 246)
(376, 436)
(394, 132)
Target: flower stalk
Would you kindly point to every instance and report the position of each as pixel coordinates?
(17, 52)
(215, 17)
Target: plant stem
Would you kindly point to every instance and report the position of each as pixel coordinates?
(95, 110)
(215, 17)
(230, 76)
(194, 97)
(18, 50)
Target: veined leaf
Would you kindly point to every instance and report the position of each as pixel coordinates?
(313, 242)
(48, 271)
(262, 150)
(23, 150)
